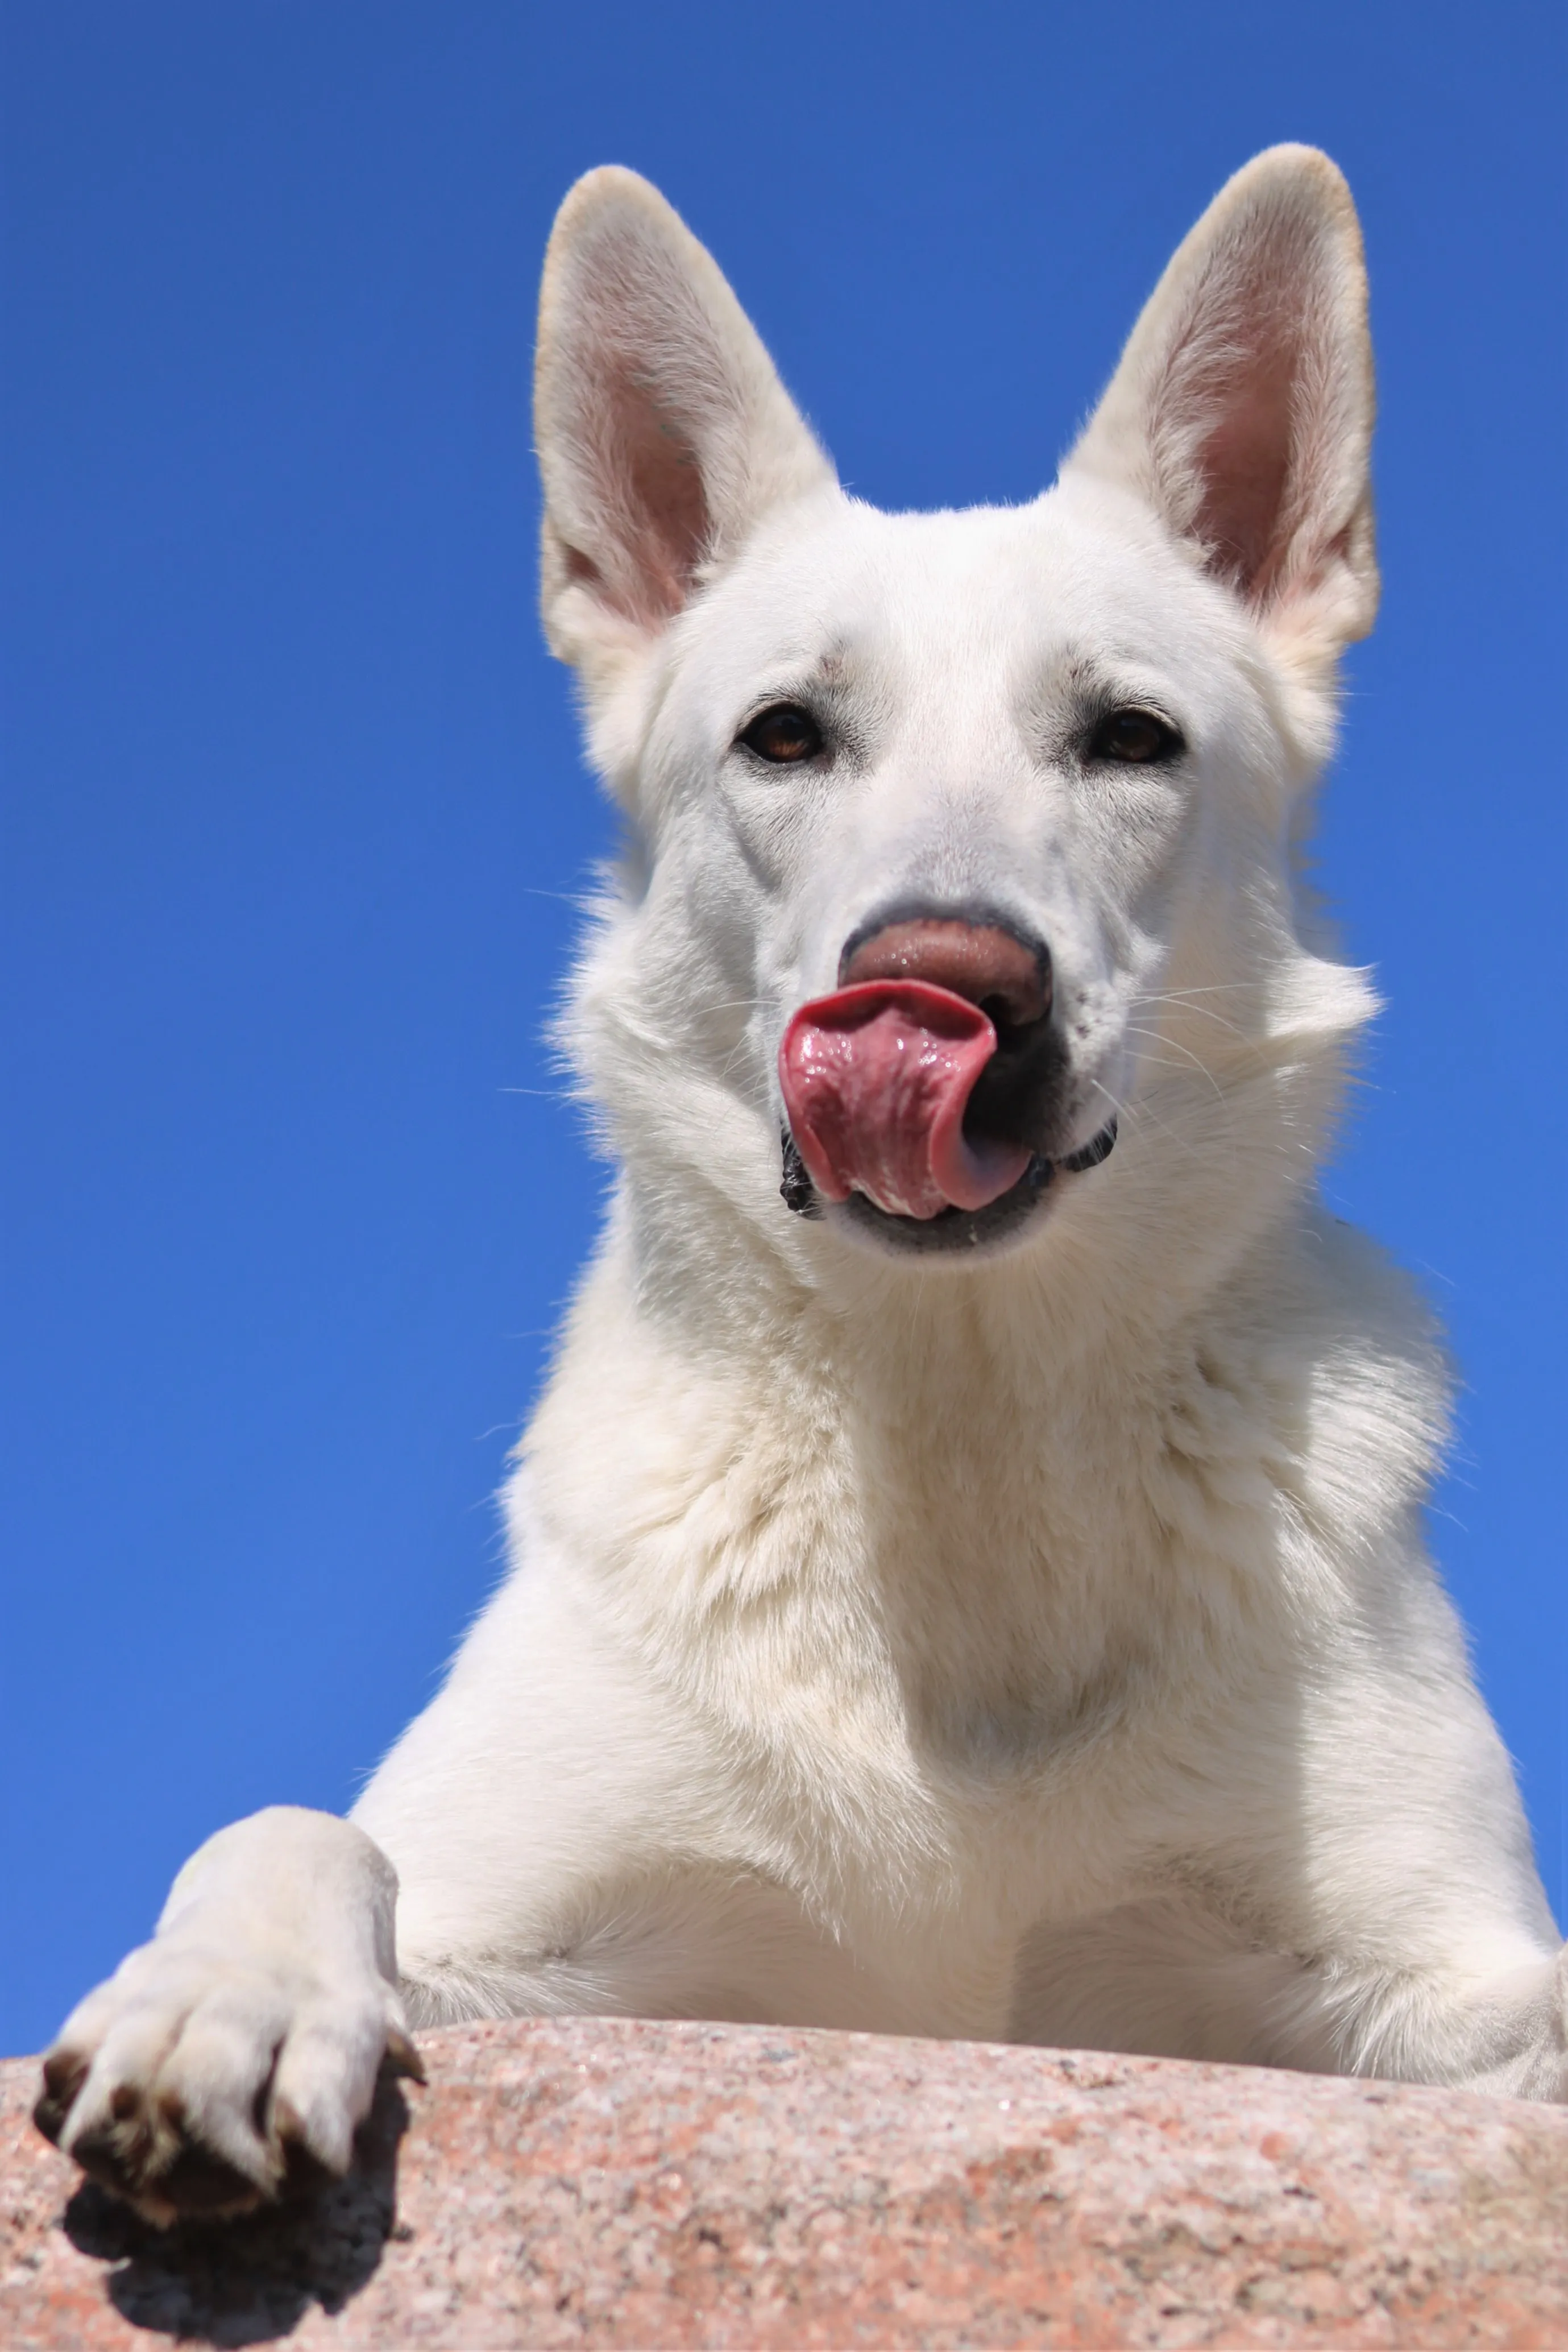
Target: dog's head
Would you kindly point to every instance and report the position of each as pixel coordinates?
(961, 844)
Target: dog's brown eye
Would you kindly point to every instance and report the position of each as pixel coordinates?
(1135, 738)
(784, 734)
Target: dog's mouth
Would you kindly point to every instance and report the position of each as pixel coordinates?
(912, 1108)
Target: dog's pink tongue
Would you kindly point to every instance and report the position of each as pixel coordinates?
(876, 1080)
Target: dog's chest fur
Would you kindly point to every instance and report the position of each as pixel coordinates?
(969, 1619)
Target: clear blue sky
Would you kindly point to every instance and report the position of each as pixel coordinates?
(294, 812)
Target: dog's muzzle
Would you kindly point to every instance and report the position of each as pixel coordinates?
(922, 1087)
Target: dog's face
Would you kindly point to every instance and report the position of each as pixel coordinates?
(940, 816)
(964, 748)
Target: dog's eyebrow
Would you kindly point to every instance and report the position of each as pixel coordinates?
(1089, 679)
(835, 675)
(1075, 671)
(1065, 682)
(829, 682)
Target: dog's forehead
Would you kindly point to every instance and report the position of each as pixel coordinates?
(984, 592)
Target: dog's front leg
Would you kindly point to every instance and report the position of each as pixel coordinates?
(241, 2046)
(1409, 1890)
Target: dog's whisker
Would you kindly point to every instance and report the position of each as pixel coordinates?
(1201, 1012)
(1158, 1038)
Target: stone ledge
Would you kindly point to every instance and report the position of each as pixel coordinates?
(593, 2182)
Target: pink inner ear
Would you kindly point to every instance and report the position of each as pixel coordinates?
(652, 495)
(660, 491)
(1245, 460)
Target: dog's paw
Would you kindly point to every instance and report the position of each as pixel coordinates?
(199, 2081)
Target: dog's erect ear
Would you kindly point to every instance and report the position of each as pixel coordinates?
(664, 432)
(1242, 406)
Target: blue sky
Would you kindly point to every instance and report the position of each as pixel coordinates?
(294, 812)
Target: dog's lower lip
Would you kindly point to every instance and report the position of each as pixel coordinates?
(800, 1195)
(1098, 1148)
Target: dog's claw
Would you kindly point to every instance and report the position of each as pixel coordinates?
(403, 2057)
(64, 2072)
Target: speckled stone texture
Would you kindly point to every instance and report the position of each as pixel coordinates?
(604, 2183)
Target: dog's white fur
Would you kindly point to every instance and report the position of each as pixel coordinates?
(1035, 1642)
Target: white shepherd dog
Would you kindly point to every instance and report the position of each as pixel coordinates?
(974, 1585)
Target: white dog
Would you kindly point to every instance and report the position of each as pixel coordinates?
(976, 1585)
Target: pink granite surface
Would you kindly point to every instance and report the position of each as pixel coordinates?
(593, 2183)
